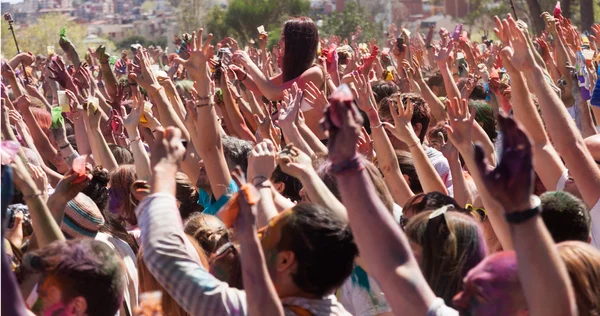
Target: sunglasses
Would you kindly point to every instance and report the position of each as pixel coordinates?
(480, 211)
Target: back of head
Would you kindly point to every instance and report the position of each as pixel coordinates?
(208, 230)
(236, 152)
(84, 268)
(97, 188)
(82, 218)
(436, 83)
(383, 89)
(291, 185)
(565, 216)
(301, 38)
(122, 155)
(484, 115)
(323, 246)
(452, 243)
(187, 195)
(583, 263)
(120, 202)
(421, 113)
(407, 167)
(428, 202)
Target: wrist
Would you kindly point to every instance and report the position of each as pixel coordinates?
(165, 169)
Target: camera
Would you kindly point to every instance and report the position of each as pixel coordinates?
(224, 59)
(8, 17)
(400, 43)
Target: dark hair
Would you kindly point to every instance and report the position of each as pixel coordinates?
(436, 80)
(292, 185)
(452, 245)
(236, 152)
(323, 246)
(383, 89)
(428, 202)
(484, 115)
(565, 216)
(187, 195)
(301, 38)
(122, 155)
(96, 189)
(421, 112)
(84, 267)
(407, 167)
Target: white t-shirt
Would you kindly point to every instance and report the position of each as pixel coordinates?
(441, 165)
(362, 296)
(595, 229)
(439, 308)
(125, 252)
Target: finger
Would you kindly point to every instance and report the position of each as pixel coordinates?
(193, 40)
(199, 38)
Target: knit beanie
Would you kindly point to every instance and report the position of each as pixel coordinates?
(82, 218)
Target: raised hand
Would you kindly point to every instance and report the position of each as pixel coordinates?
(198, 56)
(73, 101)
(448, 149)
(445, 53)
(365, 145)
(67, 189)
(315, 97)
(262, 161)
(363, 88)
(132, 120)
(168, 150)
(60, 74)
(294, 161)
(240, 57)
(290, 107)
(460, 125)
(344, 123)
(502, 31)
(511, 183)
(402, 128)
(146, 77)
(523, 58)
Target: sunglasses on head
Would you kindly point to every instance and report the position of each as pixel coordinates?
(480, 211)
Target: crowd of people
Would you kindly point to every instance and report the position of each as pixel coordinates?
(434, 176)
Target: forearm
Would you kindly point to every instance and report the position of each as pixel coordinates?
(266, 208)
(264, 85)
(292, 134)
(168, 116)
(312, 140)
(480, 137)
(318, 193)
(110, 81)
(451, 87)
(260, 292)
(587, 123)
(567, 139)
(493, 210)
(437, 107)
(140, 157)
(16, 87)
(462, 194)
(375, 232)
(175, 100)
(102, 154)
(81, 138)
(388, 163)
(42, 143)
(235, 117)
(542, 273)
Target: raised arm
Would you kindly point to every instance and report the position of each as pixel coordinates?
(164, 241)
(102, 154)
(383, 246)
(402, 129)
(565, 136)
(235, 116)
(542, 273)
(131, 121)
(546, 160)
(269, 89)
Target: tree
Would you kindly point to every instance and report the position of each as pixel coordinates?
(242, 17)
(344, 23)
(586, 9)
(44, 32)
(145, 42)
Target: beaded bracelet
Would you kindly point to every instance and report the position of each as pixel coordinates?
(354, 164)
(26, 197)
(135, 140)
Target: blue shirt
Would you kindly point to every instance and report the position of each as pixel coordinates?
(210, 204)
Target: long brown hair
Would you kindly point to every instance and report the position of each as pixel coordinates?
(149, 284)
(301, 38)
(583, 263)
(452, 243)
(120, 202)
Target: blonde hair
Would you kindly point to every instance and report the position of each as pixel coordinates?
(149, 284)
(583, 263)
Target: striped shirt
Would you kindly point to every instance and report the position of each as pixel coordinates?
(191, 285)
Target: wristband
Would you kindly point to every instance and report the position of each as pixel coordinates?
(135, 139)
(26, 197)
(353, 164)
(377, 126)
(261, 178)
(65, 146)
(153, 94)
(523, 216)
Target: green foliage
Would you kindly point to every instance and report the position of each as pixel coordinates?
(242, 17)
(136, 39)
(344, 23)
(44, 32)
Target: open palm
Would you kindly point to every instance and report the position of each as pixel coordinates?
(460, 126)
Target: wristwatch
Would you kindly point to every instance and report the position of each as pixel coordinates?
(525, 215)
